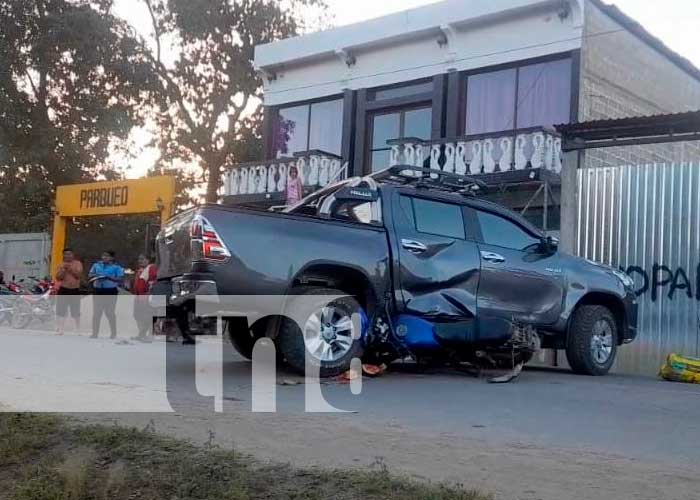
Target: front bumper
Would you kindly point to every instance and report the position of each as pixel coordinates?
(631, 315)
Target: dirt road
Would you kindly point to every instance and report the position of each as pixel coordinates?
(551, 435)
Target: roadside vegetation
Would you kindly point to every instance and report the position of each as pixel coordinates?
(45, 457)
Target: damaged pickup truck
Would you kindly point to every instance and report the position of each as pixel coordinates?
(433, 271)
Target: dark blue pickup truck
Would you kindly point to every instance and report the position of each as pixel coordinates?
(433, 272)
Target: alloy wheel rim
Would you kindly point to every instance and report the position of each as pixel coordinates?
(328, 334)
(602, 341)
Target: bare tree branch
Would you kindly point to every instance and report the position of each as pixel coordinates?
(31, 83)
(156, 29)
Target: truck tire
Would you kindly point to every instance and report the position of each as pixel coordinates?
(592, 343)
(242, 338)
(330, 347)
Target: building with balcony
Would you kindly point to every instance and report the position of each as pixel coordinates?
(469, 86)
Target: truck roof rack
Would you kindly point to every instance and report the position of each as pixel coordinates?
(430, 178)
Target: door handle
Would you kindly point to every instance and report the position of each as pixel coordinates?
(414, 246)
(493, 257)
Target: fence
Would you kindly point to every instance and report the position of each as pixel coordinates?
(646, 220)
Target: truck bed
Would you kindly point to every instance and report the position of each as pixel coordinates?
(269, 249)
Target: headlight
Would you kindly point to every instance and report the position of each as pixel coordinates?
(625, 278)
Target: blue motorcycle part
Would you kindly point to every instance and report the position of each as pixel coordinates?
(415, 333)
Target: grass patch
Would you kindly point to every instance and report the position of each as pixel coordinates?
(22, 436)
(50, 458)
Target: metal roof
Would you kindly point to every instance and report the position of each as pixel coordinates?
(643, 129)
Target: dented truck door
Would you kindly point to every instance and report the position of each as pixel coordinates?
(438, 261)
(520, 279)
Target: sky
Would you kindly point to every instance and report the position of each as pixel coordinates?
(675, 22)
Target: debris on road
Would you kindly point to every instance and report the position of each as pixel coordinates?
(681, 369)
(288, 381)
(508, 377)
(367, 369)
(373, 370)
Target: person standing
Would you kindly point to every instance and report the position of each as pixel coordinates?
(295, 189)
(68, 274)
(143, 314)
(105, 276)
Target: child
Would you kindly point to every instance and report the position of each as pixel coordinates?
(295, 189)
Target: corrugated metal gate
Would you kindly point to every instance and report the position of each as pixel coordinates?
(646, 220)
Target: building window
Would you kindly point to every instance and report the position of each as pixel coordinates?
(397, 124)
(532, 95)
(309, 126)
(544, 94)
(491, 102)
(396, 92)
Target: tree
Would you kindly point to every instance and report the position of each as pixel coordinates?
(185, 184)
(25, 200)
(213, 92)
(73, 80)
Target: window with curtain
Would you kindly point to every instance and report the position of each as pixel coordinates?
(544, 94)
(309, 126)
(531, 95)
(491, 101)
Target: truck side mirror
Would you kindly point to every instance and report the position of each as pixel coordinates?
(548, 245)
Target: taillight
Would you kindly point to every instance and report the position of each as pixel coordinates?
(196, 228)
(206, 242)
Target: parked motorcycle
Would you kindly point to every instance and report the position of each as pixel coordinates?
(32, 285)
(30, 308)
(32, 302)
(7, 303)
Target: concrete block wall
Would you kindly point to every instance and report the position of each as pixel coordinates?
(622, 76)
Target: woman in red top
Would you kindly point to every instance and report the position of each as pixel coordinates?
(143, 314)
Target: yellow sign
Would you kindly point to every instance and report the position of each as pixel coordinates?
(151, 194)
(141, 196)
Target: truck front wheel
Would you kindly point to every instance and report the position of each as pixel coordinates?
(592, 343)
(327, 335)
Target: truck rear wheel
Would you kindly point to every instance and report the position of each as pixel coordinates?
(591, 347)
(241, 336)
(328, 336)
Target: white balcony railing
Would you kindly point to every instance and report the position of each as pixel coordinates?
(536, 148)
(315, 168)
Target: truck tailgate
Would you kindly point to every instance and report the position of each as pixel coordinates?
(173, 246)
